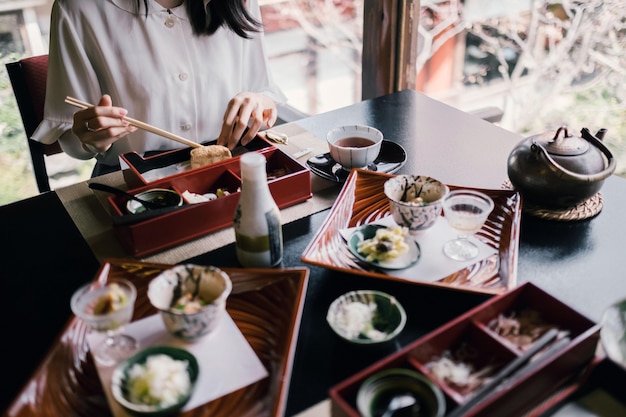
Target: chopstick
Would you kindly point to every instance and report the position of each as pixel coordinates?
(139, 124)
(487, 389)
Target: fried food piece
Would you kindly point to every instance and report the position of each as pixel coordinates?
(112, 301)
(207, 155)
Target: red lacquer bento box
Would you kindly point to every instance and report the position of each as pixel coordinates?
(139, 170)
(600, 391)
(143, 234)
(485, 341)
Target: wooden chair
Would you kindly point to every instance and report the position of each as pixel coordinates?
(28, 79)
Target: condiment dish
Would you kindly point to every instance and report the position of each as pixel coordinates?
(401, 390)
(366, 317)
(406, 258)
(161, 196)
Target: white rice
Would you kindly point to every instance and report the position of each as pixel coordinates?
(161, 381)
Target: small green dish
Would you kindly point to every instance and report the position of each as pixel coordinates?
(119, 381)
(378, 394)
(387, 321)
(368, 231)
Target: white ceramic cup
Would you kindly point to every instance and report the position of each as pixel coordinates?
(354, 146)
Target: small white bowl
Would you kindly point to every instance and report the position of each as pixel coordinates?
(366, 317)
(415, 201)
(354, 146)
(210, 284)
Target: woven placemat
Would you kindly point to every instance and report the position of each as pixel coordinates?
(585, 210)
(582, 211)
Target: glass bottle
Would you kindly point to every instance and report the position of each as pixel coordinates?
(258, 231)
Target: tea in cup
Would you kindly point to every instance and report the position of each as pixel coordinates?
(354, 146)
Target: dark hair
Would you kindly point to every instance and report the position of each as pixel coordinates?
(232, 14)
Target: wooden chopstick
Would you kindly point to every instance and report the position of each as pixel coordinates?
(139, 124)
(483, 392)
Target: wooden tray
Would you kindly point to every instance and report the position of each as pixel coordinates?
(363, 201)
(266, 305)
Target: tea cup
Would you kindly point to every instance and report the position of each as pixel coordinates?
(354, 146)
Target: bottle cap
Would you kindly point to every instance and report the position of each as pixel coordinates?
(252, 165)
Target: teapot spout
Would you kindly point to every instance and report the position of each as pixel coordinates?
(585, 133)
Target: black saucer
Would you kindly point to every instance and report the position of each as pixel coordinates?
(391, 158)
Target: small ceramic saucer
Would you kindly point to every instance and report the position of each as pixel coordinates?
(391, 158)
(403, 261)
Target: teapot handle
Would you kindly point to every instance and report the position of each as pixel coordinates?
(587, 135)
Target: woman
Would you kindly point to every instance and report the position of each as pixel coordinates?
(196, 68)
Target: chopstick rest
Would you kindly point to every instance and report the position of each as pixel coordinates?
(487, 389)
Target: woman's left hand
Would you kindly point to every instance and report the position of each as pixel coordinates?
(246, 110)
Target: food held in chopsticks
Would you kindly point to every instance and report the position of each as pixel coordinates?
(207, 155)
(200, 155)
(387, 243)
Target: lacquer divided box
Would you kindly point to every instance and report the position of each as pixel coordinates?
(146, 233)
(481, 343)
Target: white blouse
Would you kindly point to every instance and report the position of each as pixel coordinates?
(153, 66)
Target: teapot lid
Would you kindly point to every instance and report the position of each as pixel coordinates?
(567, 145)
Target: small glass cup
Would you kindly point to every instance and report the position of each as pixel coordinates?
(466, 212)
(106, 308)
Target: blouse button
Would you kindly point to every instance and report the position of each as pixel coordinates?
(169, 23)
(185, 126)
(183, 76)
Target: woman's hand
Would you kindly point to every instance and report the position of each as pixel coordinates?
(100, 126)
(246, 110)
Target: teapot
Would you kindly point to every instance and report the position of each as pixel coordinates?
(560, 171)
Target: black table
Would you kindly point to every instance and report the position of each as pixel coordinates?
(45, 258)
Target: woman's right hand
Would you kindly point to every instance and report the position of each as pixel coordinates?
(100, 126)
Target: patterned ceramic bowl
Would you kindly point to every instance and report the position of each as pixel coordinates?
(415, 200)
(191, 299)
